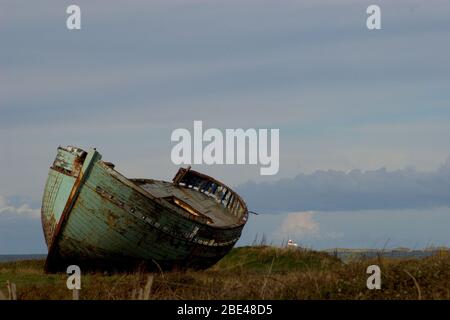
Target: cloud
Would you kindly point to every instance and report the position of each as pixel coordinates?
(299, 224)
(413, 228)
(20, 226)
(334, 190)
(22, 210)
(304, 227)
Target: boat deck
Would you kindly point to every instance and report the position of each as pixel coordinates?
(202, 203)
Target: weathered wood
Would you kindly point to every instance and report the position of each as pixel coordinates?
(13, 291)
(141, 294)
(8, 286)
(12, 295)
(104, 220)
(148, 288)
(75, 294)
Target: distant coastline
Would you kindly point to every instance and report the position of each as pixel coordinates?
(20, 257)
(399, 253)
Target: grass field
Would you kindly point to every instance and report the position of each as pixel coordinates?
(249, 273)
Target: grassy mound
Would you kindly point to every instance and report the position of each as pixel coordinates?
(272, 259)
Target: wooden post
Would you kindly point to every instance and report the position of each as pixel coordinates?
(13, 291)
(148, 288)
(76, 294)
(143, 293)
(12, 295)
(74, 281)
(8, 286)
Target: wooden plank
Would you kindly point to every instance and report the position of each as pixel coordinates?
(12, 295)
(75, 294)
(148, 288)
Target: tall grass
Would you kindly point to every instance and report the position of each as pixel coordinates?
(249, 273)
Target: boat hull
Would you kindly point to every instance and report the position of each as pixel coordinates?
(98, 219)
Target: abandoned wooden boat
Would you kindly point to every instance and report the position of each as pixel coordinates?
(96, 218)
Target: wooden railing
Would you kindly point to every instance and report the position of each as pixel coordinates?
(211, 187)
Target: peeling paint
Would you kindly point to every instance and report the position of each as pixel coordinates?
(99, 219)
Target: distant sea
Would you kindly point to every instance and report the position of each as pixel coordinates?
(18, 257)
(400, 253)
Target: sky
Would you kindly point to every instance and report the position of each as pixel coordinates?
(364, 116)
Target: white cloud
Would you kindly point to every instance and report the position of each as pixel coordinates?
(298, 225)
(23, 210)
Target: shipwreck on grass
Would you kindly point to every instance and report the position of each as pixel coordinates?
(96, 218)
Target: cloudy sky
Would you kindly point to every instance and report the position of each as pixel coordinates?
(364, 116)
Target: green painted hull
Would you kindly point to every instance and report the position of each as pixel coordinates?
(94, 217)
